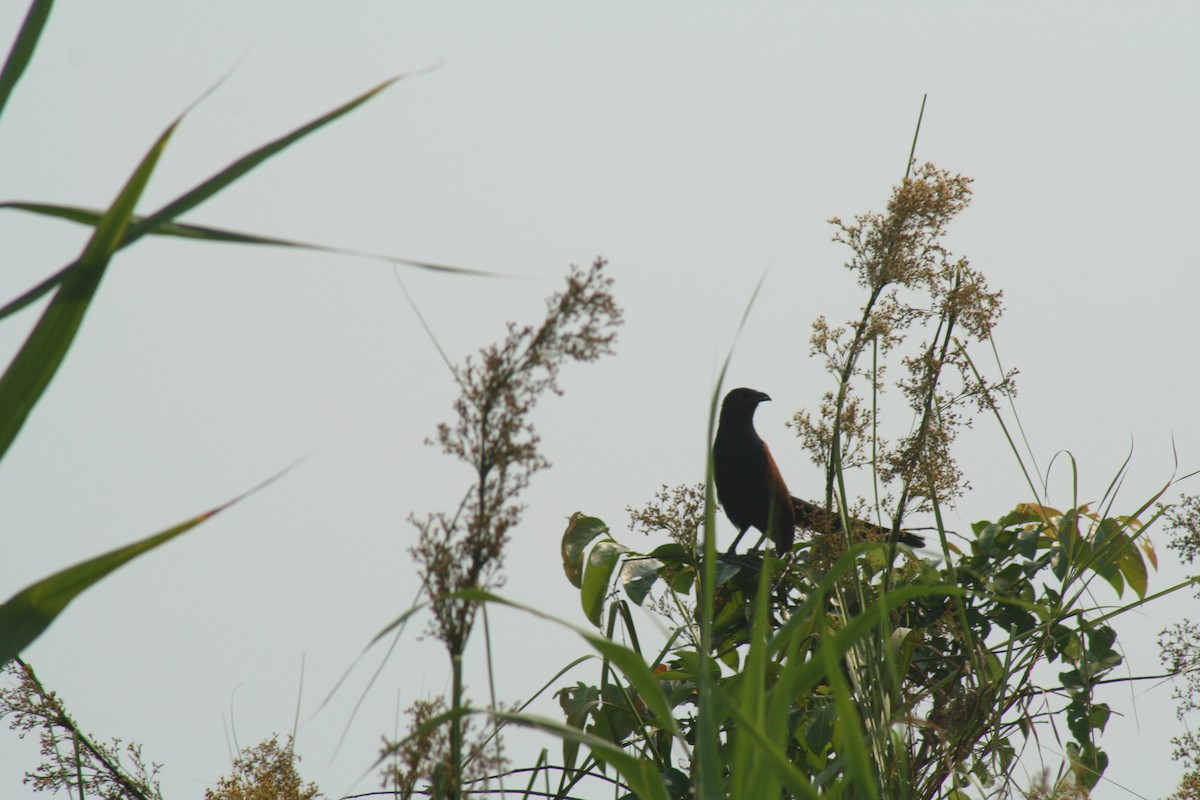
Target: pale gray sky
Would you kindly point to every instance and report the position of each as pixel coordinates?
(693, 145)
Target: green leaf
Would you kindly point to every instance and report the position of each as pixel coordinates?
(1027, 542)
(682, 582)
(597, 576)
(30, 611)
(671, 551)
(580, 532)
(638, 576)
(22, 50)
(577, 703)
(46, 346)
(1133, 567)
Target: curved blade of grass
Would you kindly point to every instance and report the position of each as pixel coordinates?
(629, 662)
(747, 778)
(46, 346)
(772, 762)
(640, 775)
(198, 194)
(853, 740)
(88, 216)
(22, 50)
(709, 784)
(27, 614)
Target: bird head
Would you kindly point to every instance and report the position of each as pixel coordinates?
(742, 402)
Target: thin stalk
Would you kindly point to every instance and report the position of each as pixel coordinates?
(857, 343)
(456, 727)
(933, 368)
(912, 152)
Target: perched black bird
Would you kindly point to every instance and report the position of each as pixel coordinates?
(749, 485)
(752, 490)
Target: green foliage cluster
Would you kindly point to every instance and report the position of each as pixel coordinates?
(854, 667)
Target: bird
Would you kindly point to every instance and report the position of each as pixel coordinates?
(749, 484)
(752, 490)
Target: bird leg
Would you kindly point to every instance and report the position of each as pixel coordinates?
(738, 538)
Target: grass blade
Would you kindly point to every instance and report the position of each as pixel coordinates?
(194, 197)
(46, 346)
(27, 614)
(198, 194)
(22, 49)
(204, 233)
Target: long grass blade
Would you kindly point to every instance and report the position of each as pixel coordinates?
(28, 613)
(21, 52)
(198, 194)
(46, 346)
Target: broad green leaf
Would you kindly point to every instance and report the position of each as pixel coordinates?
(1133, 567)
(580, 532)
(596, 577)
(22, 49)
(671, 551)
(30, 611)
(577, 703)
(638, 576)
(45, 348)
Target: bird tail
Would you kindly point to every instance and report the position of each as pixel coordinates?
(812, 517)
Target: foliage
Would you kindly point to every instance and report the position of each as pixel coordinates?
(854, 667)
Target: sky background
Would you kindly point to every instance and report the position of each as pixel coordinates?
(697, 146)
